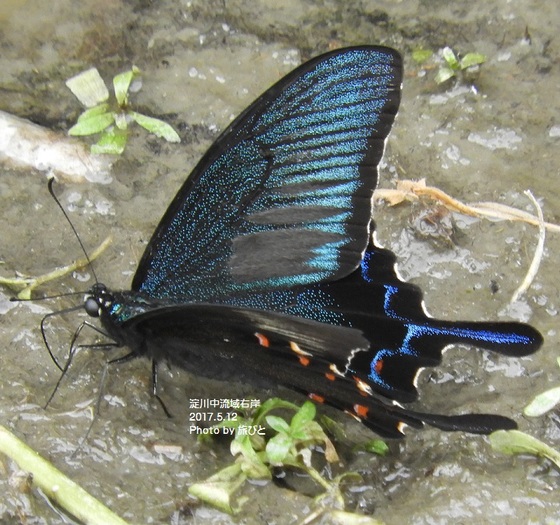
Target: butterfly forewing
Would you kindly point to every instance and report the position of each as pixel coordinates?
(283, 197)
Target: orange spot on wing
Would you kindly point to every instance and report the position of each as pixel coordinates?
(361, 410)
(263, 340)
(330, 377)
(316, 398)
(304, 361)
(378, 366)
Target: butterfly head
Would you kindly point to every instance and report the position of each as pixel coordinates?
(98, 300)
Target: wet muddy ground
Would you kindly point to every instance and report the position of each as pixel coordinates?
(202, 63)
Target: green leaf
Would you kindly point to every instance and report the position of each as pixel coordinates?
(516, 442)
(311, 431)
(91, 124)
(444, 74)
(88, 87)
(251, 463)
(218, 489)
(278, 448)
(112, 142)
(121, 84)
(450, 58)
(542, 403)
(304, 415)
(330, 452)
(421, 55)
(334, 428)
(272, 404)
(94, 111)
(302, 426)
(377, 446)
(121, 120)
(156, 126)
(278, 424)
(472, 59)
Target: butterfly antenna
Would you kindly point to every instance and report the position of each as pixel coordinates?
(51, 191)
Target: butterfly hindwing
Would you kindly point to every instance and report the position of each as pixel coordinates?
(402, 338)
(283, 197)
(362, 363)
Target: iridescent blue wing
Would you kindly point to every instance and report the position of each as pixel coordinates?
(284, 196)
(357, 344)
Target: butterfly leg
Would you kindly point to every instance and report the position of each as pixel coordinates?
(133, 355)
(73, 349)
(155, 388)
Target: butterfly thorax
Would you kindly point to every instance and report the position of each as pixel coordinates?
(114, 309)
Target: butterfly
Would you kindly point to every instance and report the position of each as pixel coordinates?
(263, 268)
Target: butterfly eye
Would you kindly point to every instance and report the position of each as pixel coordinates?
(91, 307)
(98, 289)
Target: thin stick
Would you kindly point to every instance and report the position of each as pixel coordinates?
(411, 190)
(26, 285)
(58, 487)
(25, 145)
(535, 263)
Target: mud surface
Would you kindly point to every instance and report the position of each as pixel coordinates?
(203, 62)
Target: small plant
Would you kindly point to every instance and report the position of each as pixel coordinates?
(292, 445)
(467, 67)
(111, 121)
